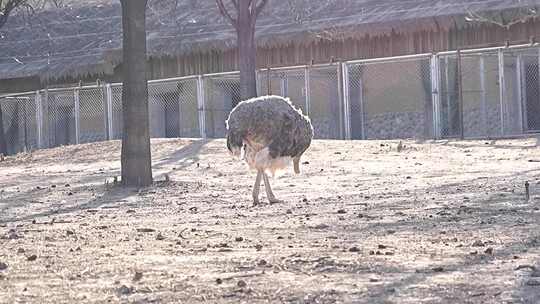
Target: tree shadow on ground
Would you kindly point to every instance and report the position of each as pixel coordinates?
(185, 157)
(113, 196)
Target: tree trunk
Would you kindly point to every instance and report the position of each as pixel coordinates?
(136, 158)
(3, 145)
(247, 52)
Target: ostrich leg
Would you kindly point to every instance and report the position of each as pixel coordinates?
(271, 198)
(256, 188)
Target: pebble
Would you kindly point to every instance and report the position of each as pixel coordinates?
(478, 243)
(138, 276)
(124, 290)
(241, 284)
(31, 258)
(354, 249)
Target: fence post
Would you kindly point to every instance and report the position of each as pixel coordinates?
(502, 89)
(283, 86)
(201, 106)
(361, 102)
(346, 102)
(483, 106)
(526, 110)
(341, 97)
(268, 82)
(448, 122)
(308, 90)
(45, 119)
(25, 133)
(108, 97)
(258, 82)
(39, 120)
(524, 95)
(460, 96)
(76, 97)
(520, 89)
(436, 96)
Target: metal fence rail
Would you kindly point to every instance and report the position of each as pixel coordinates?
(481, 93)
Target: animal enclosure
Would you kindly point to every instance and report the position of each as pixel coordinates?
(488, 93)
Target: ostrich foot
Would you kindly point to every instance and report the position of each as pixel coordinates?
(274, 200)
(271, 197)
(256, 188)
(256, 202)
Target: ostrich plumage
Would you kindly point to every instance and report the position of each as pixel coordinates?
(268, 132)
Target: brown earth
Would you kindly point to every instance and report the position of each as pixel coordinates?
(438, 222)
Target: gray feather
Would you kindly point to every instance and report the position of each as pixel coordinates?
(273, 122)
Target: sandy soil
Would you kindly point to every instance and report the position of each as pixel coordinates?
(438, 222)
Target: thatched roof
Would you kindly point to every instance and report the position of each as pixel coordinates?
(84, 37)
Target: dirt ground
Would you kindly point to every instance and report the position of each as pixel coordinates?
(437, 222)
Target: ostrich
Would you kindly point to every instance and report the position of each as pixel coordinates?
(268, 132)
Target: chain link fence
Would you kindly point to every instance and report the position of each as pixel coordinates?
(93, 122)
(478, 77)
(314, 90)
(391, 99)
(326, 108)
(221, 95)
(59, 126)
(19, 123)
(487, 93)
(288, 82)
(521, 104)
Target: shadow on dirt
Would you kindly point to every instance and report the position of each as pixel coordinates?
(184, 157)
(112, 197)
(494, 143)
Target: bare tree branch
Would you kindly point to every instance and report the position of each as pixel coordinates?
(6, 9)
(260, 7)
(499, 19)
(226, 14)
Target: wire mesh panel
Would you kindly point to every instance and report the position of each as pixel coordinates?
(450, 124)
(511, 103)
(355, 92)
(480, 91)
(189, 109)
(393, 99)
(59, 118)
(522, 102)
(271, 82)
(221, 95)
(117, 119)
(164, 110)
(325, 106)
(92, 115)
(289, 83)
(173, 108)
(19, 123)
